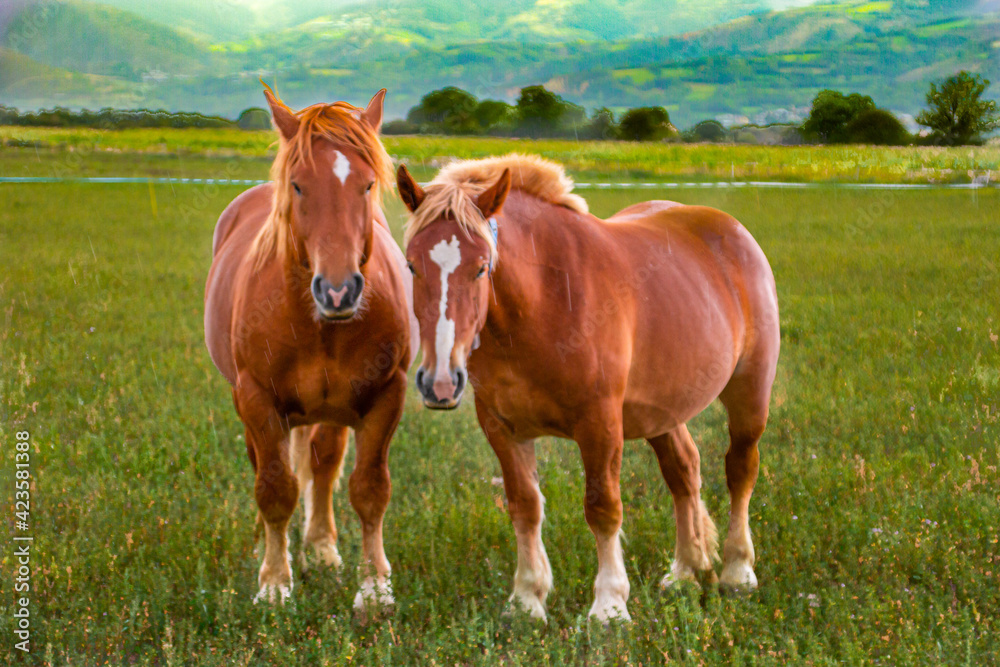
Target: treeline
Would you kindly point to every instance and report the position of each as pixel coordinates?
(538, 112)
(108, 118)
(956, 115)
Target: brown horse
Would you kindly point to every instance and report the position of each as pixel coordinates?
(307, 315)
(597, 331)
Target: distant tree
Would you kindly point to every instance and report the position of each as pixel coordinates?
(958, 114)
(706, 130)
(8, 115)
(645, 124)
(574, 119)
(494, 114)
(111, 119)
(254, 118)
(400, 126)
(831, 112)
(541, 112)
(601, 125)
(878, 127)
(449, 110)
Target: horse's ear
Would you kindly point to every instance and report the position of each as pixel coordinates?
(409, 191)
(373, 112)
(283, 118)
(492, 199)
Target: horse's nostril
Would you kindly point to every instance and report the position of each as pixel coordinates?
(317, 288)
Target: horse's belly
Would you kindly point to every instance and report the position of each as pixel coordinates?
(676, 375)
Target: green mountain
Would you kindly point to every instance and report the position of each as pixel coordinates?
(224, 20)
(594, 52)
(97, 39)
(449, 22)
(34, 84)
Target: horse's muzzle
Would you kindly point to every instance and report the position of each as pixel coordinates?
(441, 393)
(337, 302)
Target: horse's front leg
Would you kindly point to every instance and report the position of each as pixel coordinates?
(370, 490)
(601, 443)
(525, 503)
(275, 487)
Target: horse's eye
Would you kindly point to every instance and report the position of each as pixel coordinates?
(298, 190)
(482, 270)
(409, 265)
(369, 188)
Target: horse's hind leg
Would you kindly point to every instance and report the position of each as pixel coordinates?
(697, 539)
(746, 399)
(318, 453)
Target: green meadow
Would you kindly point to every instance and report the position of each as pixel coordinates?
(216, 152)
(876, 517)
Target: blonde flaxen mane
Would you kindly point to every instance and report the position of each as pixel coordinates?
(340, 123)
(454, 191)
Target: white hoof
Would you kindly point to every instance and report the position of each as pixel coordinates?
(375, 594)
(679, 573)
(273, 593)
(519, 602)
(320, 554)
(738, 575)
(606, 611)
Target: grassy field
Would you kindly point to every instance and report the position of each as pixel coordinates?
(876, 518)
(196, 152)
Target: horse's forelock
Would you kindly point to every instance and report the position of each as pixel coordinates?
(454, 201)
(339, 123)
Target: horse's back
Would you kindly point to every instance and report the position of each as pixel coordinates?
(234, 233)
(702, 228)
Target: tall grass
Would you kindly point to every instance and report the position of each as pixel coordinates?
(617, 160)
(876, 517)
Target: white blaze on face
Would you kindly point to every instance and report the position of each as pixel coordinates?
(341, 167)
(447, 256)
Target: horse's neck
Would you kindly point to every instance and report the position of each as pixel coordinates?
(535, 240)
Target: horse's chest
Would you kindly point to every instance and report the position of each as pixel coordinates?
(528, 408)
(328, 380)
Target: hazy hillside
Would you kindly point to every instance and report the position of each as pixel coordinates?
(33, 84)
(101, 40)
(594, 52)
(449, 22)
(216, 20)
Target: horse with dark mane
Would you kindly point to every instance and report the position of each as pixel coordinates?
(307, 315)
(597, 331)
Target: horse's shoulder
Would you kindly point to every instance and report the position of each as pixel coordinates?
(249, 204)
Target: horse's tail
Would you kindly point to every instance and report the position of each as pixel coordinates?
(300, 453)
(711, 534)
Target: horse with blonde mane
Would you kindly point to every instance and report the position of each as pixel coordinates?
(308, 316)
(596, 331)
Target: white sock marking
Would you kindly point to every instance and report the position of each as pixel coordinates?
(611, 587)
(341, 167)
(447, 256)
